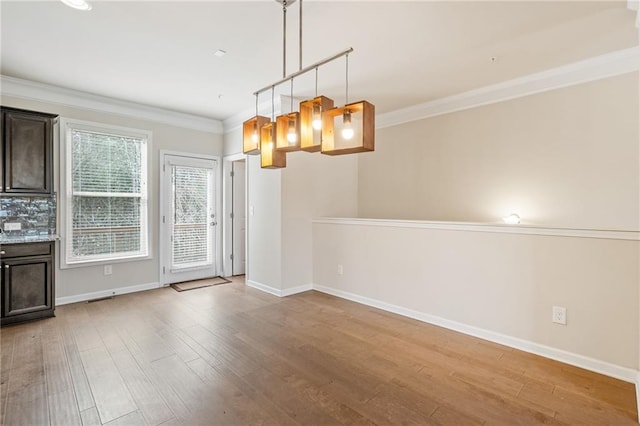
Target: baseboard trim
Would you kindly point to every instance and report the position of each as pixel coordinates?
(264, 287)
(295, 290)
(277, 292)
(105, 293)
(591, 364)
(638, 395)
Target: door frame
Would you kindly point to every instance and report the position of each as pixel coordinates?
(227, 166)
(161, 199)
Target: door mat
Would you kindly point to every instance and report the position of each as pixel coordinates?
(192, 285)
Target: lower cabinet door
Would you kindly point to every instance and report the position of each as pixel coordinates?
(27, 285)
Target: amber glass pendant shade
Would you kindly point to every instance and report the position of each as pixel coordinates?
(251, 132)
(311, 122)
(270, 157)
(288, 132)
(349, 129)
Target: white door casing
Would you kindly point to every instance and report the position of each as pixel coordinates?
(239, 217)
(188, 217)
(227, 214)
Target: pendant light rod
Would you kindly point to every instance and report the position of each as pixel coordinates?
(284, 39)
(304, 70)
(346, 79)
(300, 36)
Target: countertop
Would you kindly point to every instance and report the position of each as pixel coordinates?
(22, 239)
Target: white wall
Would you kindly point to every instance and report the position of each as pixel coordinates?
(90, 279)
(284, 202)
(265, 224)
(313, 185)
(566, 158)
(502, 283)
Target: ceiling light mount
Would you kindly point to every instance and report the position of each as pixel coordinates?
(78, 4)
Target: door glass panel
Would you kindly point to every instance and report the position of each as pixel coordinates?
(192, 212)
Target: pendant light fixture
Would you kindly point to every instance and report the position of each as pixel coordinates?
(251, 132)
(349, 129)
(311, 120)
(288, 137)
(318, 126)
(270, 157)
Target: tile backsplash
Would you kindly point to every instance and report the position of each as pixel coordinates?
(36, 215)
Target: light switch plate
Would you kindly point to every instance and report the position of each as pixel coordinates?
(12, 226)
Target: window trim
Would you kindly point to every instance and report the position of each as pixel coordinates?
(65, 216)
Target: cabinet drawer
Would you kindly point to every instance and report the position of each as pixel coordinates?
(26, 249)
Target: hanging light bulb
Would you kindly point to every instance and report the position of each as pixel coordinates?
(347, 130)
(292, 136)
(251, 132)
(270, 140)
(317, 117)
(254, 137)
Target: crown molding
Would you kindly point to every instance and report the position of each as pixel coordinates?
(32, 90)
(596, 68)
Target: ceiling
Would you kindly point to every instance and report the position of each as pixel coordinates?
(161, 53)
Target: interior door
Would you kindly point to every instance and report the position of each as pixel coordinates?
(189, 221)
(239, 217)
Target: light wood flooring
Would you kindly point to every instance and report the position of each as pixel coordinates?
(230, 354)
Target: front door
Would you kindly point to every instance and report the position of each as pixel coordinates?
(189, 219)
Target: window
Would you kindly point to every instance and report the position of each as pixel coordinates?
(105, 203)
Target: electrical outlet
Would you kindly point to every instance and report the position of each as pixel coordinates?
(108, 269)
(340, 270)
(559, 315)
(12, 226)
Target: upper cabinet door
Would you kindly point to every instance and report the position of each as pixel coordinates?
(28, 146)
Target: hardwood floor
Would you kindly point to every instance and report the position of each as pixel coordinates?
(230, 354)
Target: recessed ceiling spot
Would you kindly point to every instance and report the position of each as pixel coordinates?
(220, 53)
(77, 4)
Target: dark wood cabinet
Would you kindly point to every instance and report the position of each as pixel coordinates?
(27, 281)
(26, 165)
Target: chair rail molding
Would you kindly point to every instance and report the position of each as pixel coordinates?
(485, 227)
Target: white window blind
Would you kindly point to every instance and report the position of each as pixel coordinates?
(106, 195)
(191, 231)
